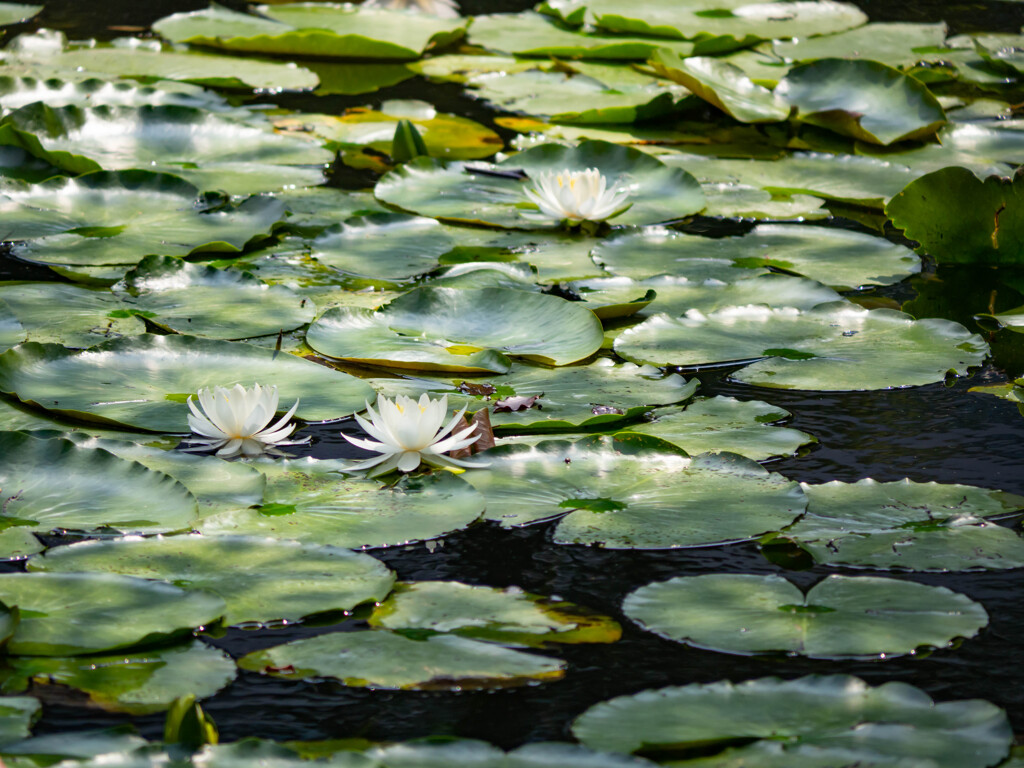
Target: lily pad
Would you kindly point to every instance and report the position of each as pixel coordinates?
(917, 526)
(18, 543)
(507, 616)
(12, 13)
(71, 747)
(840, 617)
(16, 92)
(313, 29)
(209, 302)
(723, 85)
(866, 100)
(467, 753)
(573, 397)
(721, 423)
(312, 502)
(416, 328)
(385, 246)
(144, 381)
(11, 330)
(898, 44)
(534, 34)
(17, 713)
(833, 347)
(839, 258)
(483, 194)
(80, 139)
(73, 613)
(988, 231)
(631, 492)
(88, 316)
(833, 712)
(138, 683)
(55, 484)
(261, 580)
(382, 659)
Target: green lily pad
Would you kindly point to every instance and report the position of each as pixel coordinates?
(840, 617)
(382, 659)
(18, 543)
(17, 713)
(209, 302)
(261, 580)
(864, 99)
(878, 725)
(569, 98)
(534, 34)
(632, 492)
(114, 218)
(474, 194)
(741, 22)
(507, 616)
(314, 503)
(988, 231)
(313, 29)
(894, 43)
(12, 13)
(834, 347)
(385, 246)
(242, 179)
(349, 79)
(145, 59)
(80, 139)
(11, 330)
(88, 316)
(16, 92)
(218, 485)
(839, 258)
(78, 745)
(73, 613)
(138, 683)
(723, 85)
(468, 753)
(739, 201)
(574, 397)
(446, 136)
(55, 484)
(415, 329)
(144, 381)
(917, 526)
(721, 423)
(1012, 319)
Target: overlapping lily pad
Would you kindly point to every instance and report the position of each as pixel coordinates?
(507, 616)
(73, 613)
(88, 316)
(835, 347)
(916, 526)
(138, 683)
(386, 246)
(721, 423)
(839, 617)
(260, 580)
(54, 484)
(487, 194)
(313, 29)
(866, 100)
(314, 503)
(382, 659)
(144, 381)
(423, 327)
(836, 257)
(839, 718)
(209, 302)
(80, 139)
(579, 396)
(632, 492)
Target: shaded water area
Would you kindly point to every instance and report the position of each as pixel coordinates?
(939, 432)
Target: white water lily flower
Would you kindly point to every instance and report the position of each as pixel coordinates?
(577, 195)
(444, 9)
(410, 432)
(235, 421)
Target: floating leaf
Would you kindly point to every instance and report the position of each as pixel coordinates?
(477, 754)
(12, 13)
(864, 99)
(144, 381)
(75, 613)
(261, 580)
(88, 316)
(54, 484)
(838, 713)
(382, 659)
(17, 713)
(507, 616)
(16, 92)
(314, 503)
(898, 44)
(139, 683)
(839, 617)
(385, 246)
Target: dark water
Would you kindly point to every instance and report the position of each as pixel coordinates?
(937, 432)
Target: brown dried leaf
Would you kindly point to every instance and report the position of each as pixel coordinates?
(517, 403)
(480, 390)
